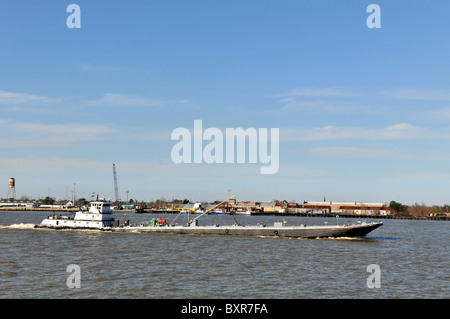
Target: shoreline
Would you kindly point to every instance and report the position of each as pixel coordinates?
(328, 215)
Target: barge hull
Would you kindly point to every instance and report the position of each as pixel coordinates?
(244, 231)
(290, 232)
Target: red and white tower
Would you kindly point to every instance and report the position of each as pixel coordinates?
(11, 189)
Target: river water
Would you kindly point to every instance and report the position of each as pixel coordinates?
(412, 256)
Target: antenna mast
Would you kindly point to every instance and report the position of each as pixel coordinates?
(116, 189)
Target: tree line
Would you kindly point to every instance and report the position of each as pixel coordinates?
(418, 210)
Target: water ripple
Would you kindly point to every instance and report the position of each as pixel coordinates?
(412, 256)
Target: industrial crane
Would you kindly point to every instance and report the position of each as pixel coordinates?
(116, 188)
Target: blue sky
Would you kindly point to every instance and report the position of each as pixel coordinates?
(363, 113)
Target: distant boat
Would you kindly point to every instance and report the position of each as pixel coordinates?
(246, 212)
(219, 211)
(196, 209)
(139, 209)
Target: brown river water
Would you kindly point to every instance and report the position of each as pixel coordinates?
(412, 257)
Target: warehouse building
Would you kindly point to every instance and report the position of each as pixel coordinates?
(349, 208)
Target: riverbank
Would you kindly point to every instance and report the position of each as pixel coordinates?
(300, 214)
(330, 215)
(39, 209)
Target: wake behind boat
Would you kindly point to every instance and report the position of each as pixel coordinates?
(99, 217)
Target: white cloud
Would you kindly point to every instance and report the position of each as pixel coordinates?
(48, 129)
(423, 94)
(338, 100)
(356, 152)
(419, 94)
(36, 103)
(51, 164)
(116, 99)
(325, 100)
(103, 69)
(319, 92)
(419, 176)
(326, 106)
(400, 131)
(23, 135)
(12, 98)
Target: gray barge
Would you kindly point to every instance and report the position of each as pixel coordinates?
(278, 230)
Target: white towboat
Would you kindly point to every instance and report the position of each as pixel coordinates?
(98, 216)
